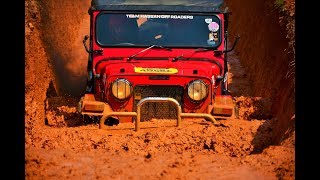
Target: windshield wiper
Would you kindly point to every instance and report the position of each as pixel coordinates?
(193, 52)
(150, 47)
(177, 57)
(202, 50)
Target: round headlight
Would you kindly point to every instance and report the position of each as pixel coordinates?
(197, 90)
(121, 89)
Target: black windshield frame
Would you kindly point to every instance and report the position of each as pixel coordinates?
(201, 6)
(100, 34)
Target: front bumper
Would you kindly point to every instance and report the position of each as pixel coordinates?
(89, 106)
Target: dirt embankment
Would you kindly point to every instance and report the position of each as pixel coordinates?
(38, 69)
(62, 34)
(59, 145)
(266, 51)
(55, 62)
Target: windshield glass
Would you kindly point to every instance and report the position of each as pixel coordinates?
(169, 30)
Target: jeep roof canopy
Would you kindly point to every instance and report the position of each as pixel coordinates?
(158, 5)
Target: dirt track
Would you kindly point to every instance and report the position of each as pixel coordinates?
(59, 145)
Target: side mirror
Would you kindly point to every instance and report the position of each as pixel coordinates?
(234, 44)
(99, 51)
(225, 51)
(86, 37)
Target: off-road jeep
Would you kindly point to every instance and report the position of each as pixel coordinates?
(164, 59)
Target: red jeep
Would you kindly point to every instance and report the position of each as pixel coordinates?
(163, 59)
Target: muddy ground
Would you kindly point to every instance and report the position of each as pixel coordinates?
(60, 145)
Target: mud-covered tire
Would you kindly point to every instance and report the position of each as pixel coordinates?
(86, 119)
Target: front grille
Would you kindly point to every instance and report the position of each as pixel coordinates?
(159, 110)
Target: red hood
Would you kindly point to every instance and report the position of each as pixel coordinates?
(190, 63)
(182, 67)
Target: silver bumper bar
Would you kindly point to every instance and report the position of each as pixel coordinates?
(155, 99)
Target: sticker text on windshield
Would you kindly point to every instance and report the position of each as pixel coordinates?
(159, 16)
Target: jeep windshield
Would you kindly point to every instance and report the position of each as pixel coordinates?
(167, 30)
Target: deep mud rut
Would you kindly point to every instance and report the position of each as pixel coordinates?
(66, 147)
